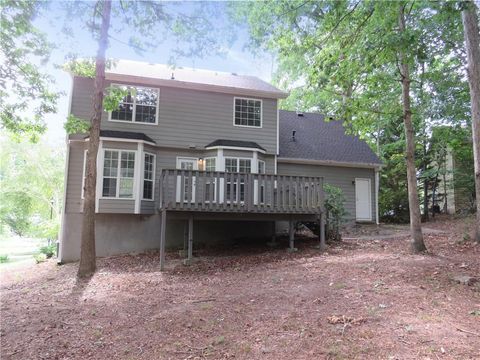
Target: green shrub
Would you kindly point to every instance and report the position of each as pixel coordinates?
(4, 259)
(335, 209)
(48, 250)
(39, 258)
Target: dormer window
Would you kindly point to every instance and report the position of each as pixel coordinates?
(140, 105)
(247, 112)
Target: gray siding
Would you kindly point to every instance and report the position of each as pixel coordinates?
(269, 163)
(120, 145)
(73, 201)
(187, 118)
(116, 206)
(147, 207)
(341, 177)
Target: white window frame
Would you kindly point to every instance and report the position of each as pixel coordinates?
(85, 152)
(238, 184)
(261, 112)
(195, 168)
(180, 158)
(238, 162)
(153, 175)
(135, 106)
(210, 158)
(264, 167)
(117, 190)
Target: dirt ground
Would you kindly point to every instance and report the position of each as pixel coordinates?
(366, 298)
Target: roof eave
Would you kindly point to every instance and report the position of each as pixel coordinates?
(330, 163)
(196, 86)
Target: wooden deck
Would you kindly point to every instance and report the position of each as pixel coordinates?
(205, 191)
(190, 194)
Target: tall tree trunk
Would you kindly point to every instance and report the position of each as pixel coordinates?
(87, 248)
(413, 203)
(424, 143)
(472, 43)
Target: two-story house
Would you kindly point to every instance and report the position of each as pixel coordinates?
(194, 154)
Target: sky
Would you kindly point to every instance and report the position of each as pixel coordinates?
(236, 58)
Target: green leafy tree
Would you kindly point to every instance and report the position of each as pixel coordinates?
(335, 209)
(26, 93)
(31, 188)
(472, 44)
(372, 64)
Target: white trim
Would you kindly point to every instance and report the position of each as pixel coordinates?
(194, 180)
(135, 106)
(98, 188)
(118, 140)
(195, 86)
(125, 140)
(238, 162)
(65, 177)
(254, 163)
(137, 176)
(218, 147)
(261, 112)
(220, 165)
(64, 211)
(264, 166)
(205, 162)
(153, 178)
(369, 199)
(377, 188)
(179, 158)
(329, 163)
(278, 129)
(117, 190)
(85, 152)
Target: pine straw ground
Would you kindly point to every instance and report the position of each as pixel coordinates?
(362, 299)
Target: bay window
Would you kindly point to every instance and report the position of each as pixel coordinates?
(148, 176)
(210, 164)
(118, 174)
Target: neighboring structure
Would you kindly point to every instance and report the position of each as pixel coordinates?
(205, 155)
(460, 184)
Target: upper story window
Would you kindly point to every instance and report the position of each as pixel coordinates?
(247, 112)
(140, 105)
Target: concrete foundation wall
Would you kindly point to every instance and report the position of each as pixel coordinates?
(122, 234)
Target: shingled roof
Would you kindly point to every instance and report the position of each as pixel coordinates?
(316, 139)
(130, 135)
(159, 74)
(235, 143)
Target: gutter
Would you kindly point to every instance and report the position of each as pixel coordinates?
(195, 86)
(330, 163)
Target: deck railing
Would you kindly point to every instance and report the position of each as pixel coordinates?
(193, 190)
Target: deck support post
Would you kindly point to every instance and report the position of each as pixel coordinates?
(291, 233)
(163, 225)
(273, 242)
(321, 235)
(188, 260)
